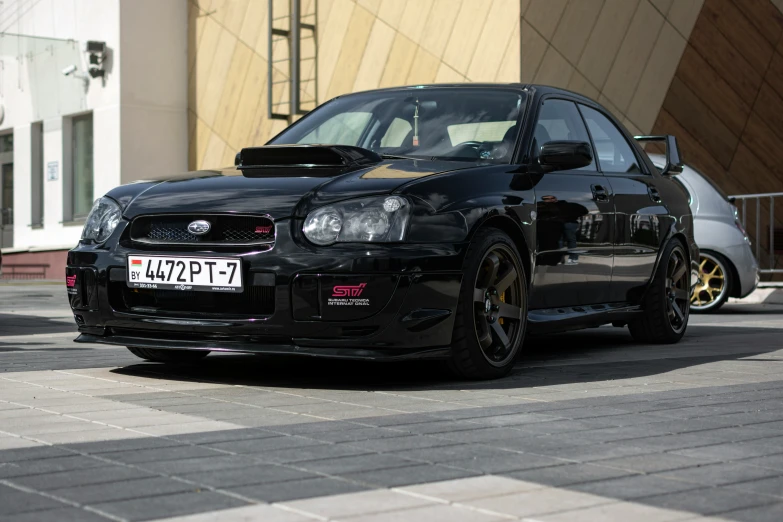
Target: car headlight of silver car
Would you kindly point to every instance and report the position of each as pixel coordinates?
(368, 220)
(102, 220)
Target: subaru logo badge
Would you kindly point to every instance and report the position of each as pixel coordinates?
(199, 228)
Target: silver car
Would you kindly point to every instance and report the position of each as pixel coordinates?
(727, 266)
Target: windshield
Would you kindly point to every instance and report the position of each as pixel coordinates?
(467, 124)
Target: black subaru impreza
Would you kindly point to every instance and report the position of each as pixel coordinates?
(438, 222)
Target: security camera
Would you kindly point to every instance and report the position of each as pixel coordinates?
(69, 70)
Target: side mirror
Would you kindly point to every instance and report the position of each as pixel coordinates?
(237, 159)
(565, 155)
(673, 161)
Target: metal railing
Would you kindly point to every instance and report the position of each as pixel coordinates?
(741, 202)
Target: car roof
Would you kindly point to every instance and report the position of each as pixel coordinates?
(521, 87)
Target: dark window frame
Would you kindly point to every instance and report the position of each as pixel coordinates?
(643, 168)
(533, 156)
(37, 175)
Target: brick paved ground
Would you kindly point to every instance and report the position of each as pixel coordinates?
(588, 427)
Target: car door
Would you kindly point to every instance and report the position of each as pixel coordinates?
(574, 219)
(641, 218)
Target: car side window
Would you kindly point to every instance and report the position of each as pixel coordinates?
(614, 152)
(559, 120)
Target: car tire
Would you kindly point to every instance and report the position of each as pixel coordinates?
(666, 303)
(168, 356)
(491, 316)
(713, 291)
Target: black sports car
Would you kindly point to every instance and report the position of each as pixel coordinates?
(419, 222)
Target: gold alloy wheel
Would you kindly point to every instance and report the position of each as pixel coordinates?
(712, 283)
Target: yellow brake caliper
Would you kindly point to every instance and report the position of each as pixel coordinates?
(502, 300)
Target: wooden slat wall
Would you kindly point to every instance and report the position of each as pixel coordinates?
(725, 103)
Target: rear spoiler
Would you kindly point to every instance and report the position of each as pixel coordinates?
(317, 159)
(673, 161)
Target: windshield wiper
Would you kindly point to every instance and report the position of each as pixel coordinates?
(397, 156)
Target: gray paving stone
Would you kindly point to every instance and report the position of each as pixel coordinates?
(14, 501)
(591, 453)
(50, 465)
(262, 445)
(82, 477)
(257, 474)
(33, 453)
(456, 451)
(133, 444)
(401, 443)
(211, 437)
(441, 426)
(654, 462)
(298, 489)
(160, 454)
(169, 505)
(343, 465)
(504, 463)
(315, 452)
(406, 476)
(633, 487)
(768, 486)
(768, 461)
(124, 490)
(768, 513)
(357, 434)
(719, 474)
(482, 434)
(567, 474)
(174, 467)
(65, 514)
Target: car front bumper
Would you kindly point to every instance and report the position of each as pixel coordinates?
(288, 306)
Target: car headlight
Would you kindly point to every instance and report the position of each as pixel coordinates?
(368, 220)
(102, 220)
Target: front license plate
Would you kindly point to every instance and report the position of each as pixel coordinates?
(201, 274)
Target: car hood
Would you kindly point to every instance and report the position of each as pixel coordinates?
(275, 193)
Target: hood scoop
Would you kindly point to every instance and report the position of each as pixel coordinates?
(303, 160)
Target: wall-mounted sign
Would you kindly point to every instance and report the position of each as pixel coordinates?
(52, 171)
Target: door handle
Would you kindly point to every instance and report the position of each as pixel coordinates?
(654, 194)
(599, 193)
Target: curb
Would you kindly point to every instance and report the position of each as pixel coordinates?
(767, 296)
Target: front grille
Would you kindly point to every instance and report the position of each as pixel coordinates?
(253, 301)
(225, 229)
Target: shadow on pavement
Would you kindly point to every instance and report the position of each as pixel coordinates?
(584, 356)
(18, 324)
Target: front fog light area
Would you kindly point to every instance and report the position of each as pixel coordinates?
(102, 220)
(367, 220)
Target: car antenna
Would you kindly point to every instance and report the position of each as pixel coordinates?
(416, 124)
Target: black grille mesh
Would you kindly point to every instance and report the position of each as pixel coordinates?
(252, 301)
(226, 229)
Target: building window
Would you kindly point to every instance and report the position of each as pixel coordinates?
(6, 190)
(37, 175)
(81, 166)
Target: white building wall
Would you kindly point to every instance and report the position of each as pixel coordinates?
(139, 109)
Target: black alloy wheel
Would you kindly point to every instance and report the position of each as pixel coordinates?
(492, 312)
(666, 304)
(497, 303)
(678, 290)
